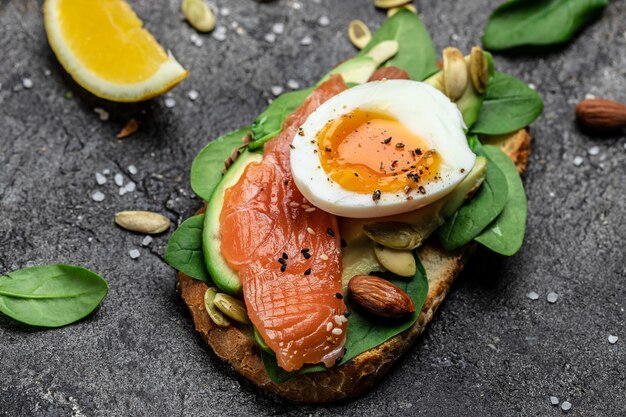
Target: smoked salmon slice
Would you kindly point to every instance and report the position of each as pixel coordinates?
(287, 253)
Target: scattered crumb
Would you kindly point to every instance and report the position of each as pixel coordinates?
(613, 339)
(100, 179)
(146, 241)
(119, 180)
(277, 90)
(533, 295)
(323, 21)
(131, 127)
(193, 95)
(554, 401)
(578, 161)
(134, 253)
(27, 83)
(552, 297)
(132, 169)
(102, 114)
(566, 405)
(97, 196)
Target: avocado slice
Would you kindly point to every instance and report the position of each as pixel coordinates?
(223, 275)
(360, 68)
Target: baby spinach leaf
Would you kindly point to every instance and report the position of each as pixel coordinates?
(270, 122)
(505, 234)
(51, 295)
(416, 54)
(207, 166)
(472, 218)
(184, 249)
(509, 105)
(538, 22)
(364, 333)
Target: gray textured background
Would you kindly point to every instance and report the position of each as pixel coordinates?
(489, 351)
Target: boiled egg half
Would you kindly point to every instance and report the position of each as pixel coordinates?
(381, 148)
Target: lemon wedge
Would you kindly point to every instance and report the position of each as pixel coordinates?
(102, 45)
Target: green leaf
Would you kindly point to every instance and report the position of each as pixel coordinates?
(505, 234)
(363, 332)
(51, 295)
(416, 53)
(472, 218)
(207, 166)
(538, 22)
(184, 249)
(270, 122)
(509, 105)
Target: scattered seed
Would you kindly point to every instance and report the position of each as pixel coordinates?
(594, 150)
(146, 241)
(278, 28)
(293, 84)
(613, 339)
(324, 257)
(554, 401)
(102, 114)
(134, 253)
(119, 180)
(307, 271)
(193, 95)
(323, 21)
(97, 196)
(277, 90)
(27, 83)
(100, 179)
(533, 295)
(552, 297)
(145, 222)
(578, 161)
(310, 231)
(305, 41)
(131, 127)
(566, 405)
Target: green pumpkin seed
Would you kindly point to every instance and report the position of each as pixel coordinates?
(394, 10)
(454, 73)
(388, 4)
(394, 235)
(199, 15)
(478, 69)
(400, 262)
(214, 314)
(145, 222)
(359, 33)
(232, 307)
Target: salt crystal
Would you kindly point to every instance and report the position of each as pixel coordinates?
(278, 28)
(122, 191)
(106, 171)
(102, 114)
(97, 196)
(27, 83)
(624, 145)
(225, 11)
(455, 37)
(532, 86)
(47, 72)
(296, 6)
(146, 241)
(293, 84)
(552, 297)
(613, 339)
(119, 180)
(193, 95)
(196, 40)
(589, 96)
(270, 37)
(566, 405)
(100, 179)
(134, 253)
(132, 169)
(307, 40)
(220, 33)
(594, 150)
(277, 90)
(554, 401)
(323, 21)
(240, 31)
(533, 295)
(170, 102)
(130, 187)
(578, 161)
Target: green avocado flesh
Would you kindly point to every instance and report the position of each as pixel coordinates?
(223, 276)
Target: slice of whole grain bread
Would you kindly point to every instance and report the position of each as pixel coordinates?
(236, 345)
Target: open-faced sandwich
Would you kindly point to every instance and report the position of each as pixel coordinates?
(341, 216)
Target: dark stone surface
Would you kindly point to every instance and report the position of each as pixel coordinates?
(489, 351)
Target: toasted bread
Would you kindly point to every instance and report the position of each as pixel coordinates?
(236, 345)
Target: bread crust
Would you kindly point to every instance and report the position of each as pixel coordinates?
(236, 344)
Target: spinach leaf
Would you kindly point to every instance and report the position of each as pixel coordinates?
(472, 218)
(538, 22)
(207, 166)
(505, 234)
(270, 122)
(51, 295)
(509, 105)
(184, 249)
(364, 333)
(416, 54)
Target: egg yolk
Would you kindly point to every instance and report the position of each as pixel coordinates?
(366, 152)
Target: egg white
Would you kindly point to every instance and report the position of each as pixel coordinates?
(422, 109)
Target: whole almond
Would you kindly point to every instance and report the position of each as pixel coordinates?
(389, 73)
(380, 297)
(600, 113)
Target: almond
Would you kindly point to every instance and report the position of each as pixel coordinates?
(389, 73)
(380, 297)
(600, 113)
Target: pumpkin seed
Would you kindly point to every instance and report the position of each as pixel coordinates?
(478, 69)
(394, 235)
(388, 4)
(199, 15)
(214, 314)
(400, 262)
(359, 33)
(145, 222)
(232, 307)
(454, 73)
(394, 10)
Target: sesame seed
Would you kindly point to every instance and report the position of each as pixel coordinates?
(386, 141)
(281, 261)
(306, 255)
(307, 271)
(310, 231)
(376, 195)
(330, 232)
(552, 297)
(337, 331)
(285, 256)
(399, 145)
(533, 295)
(338, 360)
(134, 253)
(339, 295)
(347, 314)
(283, 268)
(329, 326)
(324, 257)
(310, 210)
(294, 204)
(343, 243)
(304, 250)
(305, 206)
